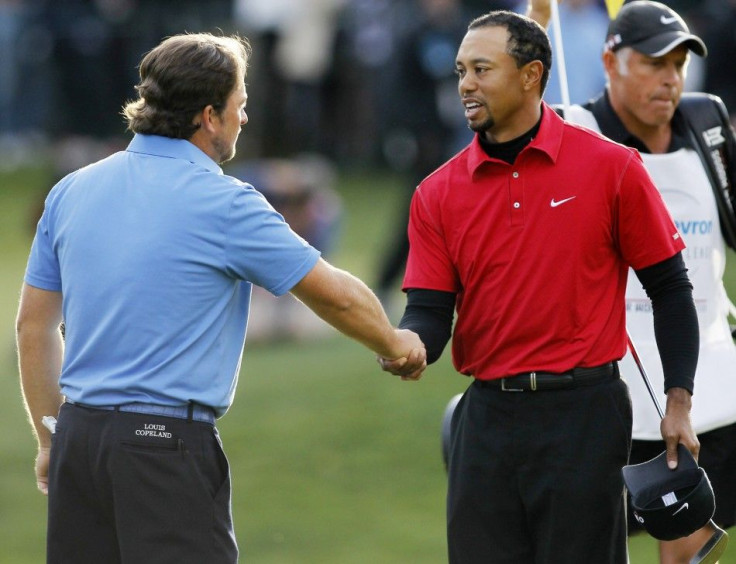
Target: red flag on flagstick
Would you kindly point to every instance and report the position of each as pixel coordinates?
(613, 7)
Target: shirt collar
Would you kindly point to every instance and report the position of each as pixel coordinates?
(547, 141)
(172, 148)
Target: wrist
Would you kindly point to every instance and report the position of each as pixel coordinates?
(679, 398)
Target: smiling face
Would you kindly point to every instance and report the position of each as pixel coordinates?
(646, 90)
(499, 98)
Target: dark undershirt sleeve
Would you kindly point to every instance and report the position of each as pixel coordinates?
(429, 314)
(675, 320)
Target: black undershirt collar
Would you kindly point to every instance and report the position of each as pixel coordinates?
(509, 150)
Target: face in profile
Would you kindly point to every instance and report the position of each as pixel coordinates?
(231, 119)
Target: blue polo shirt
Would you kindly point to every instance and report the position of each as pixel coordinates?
(154, 250)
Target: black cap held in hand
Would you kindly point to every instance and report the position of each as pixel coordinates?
(652, 29)
(670, 504)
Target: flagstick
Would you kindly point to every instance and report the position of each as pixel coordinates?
(562, 72)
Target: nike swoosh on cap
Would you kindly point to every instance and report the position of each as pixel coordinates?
(685, 505)
(667, 21)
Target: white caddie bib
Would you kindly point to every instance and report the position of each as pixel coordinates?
(686, 190)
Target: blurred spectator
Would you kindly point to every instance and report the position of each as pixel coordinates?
(24, 81)
(95, 48)
(302, 190)
(259, 20)
(304, 57)
(425, 124)
(584, 24)
(294, 44)
(90, 78)
(428, 125)
(362, 87)
(14, 16)
(478, 7)
(76, 63)
(720, 37)
(327, 72)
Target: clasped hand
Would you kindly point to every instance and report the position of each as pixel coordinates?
(412, 364)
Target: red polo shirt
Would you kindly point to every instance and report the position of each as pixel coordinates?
(538, 251)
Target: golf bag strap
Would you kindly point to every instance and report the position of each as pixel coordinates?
(710, 130)
(713, 138)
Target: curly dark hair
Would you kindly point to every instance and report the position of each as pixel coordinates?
(180, 77)
(528, 41)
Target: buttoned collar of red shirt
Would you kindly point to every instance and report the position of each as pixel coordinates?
(548, 141)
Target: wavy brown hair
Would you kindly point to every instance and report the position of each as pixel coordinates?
(180, 77)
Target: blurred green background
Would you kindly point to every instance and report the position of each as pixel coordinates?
(332, 460)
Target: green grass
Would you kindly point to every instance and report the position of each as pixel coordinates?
(332, 460)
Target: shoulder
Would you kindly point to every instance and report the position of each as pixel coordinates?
(578, 134)
(231, 196)
(581, 116)
(452, 169)
(229, 182)
(587, 153)
(699, 99)
(582, 136)
(90, 175)
(703, 110)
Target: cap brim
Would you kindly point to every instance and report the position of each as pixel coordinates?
(643, 477)
(664, 43)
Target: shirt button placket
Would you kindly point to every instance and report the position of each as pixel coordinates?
(517, 216)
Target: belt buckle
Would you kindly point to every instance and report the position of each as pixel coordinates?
(532, 384)
(505, 389)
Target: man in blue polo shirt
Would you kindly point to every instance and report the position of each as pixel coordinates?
(148, 258)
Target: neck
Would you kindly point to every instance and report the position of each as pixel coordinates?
(517, 125)
(656, 137)
(200, 140)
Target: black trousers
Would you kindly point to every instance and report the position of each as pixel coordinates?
(131, 488)
(535, 477)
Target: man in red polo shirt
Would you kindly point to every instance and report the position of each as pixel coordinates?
(528, 233)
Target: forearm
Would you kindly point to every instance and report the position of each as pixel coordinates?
(357, 312)
(678, 340)
(429, 314)
(540, 11)
(40, 353)
(675, 320)
(346, 303)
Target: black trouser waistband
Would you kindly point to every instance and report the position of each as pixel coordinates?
(191, 411)
(543, 381)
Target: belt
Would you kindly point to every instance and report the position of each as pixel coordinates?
(543, 381)
(191, 411)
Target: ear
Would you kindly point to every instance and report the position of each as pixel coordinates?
(531, 75)
(610, 62)
(205, 118)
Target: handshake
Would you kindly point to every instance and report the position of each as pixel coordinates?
(411, 362)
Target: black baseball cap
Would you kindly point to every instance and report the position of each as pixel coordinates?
(651, 28)
(670, 504)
